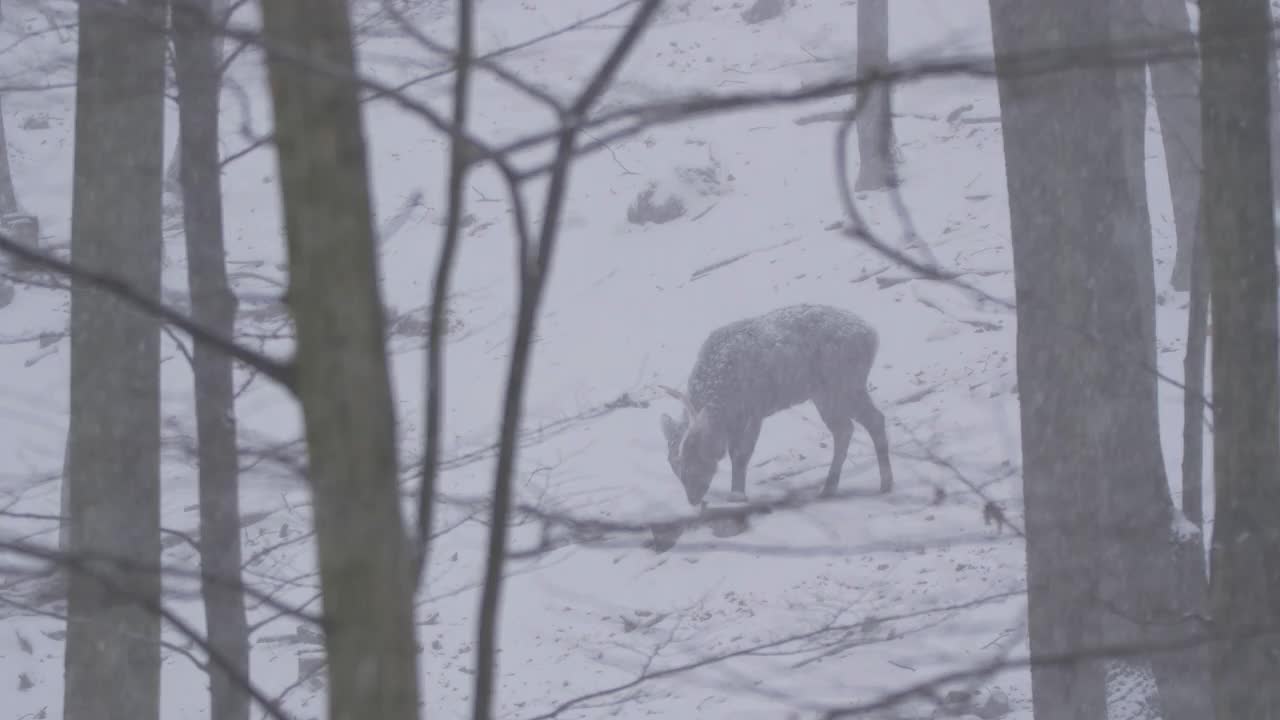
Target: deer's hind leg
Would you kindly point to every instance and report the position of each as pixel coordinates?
(742, 445)
(870, 417)
(836, 417)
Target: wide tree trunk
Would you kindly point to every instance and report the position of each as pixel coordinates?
(1103, 564)
(1239, 229)
(113, 629)
(876, 147)
(1054, 213)
(212, 305)
(364, 552)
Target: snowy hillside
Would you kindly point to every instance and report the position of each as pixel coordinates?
(836, 603)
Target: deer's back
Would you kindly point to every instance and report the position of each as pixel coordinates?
(761, 365)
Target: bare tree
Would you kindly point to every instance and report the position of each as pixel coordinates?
(1107, 518)
(365, 555)
(1102, 561)
(1239, 228)
(214, 306)
(114, 434)
(876, 148)
(1048, 202)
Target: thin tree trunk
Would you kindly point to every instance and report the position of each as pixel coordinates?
(364, 552)
(875, 122)
(1193, 394)
(8, 198)
(214, 306)
(1176, 84)
(1239, 228)
(113, 632)
(220, 11)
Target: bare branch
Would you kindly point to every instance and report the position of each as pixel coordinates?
(534, 274)
(463, 59)
(437, 329)
(280, 372)
(76, 562)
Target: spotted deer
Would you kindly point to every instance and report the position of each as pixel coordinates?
(753, 368)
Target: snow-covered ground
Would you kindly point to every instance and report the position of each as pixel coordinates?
(876, 593)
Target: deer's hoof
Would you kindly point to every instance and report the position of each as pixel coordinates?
(737, 497)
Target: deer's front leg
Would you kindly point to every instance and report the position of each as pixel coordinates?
(741, 446)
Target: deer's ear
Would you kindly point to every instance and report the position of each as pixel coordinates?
(670, 430)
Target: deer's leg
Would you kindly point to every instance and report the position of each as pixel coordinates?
(841, 427)
(870, 417)
(741, 446)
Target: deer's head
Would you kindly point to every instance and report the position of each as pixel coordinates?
(694, 447)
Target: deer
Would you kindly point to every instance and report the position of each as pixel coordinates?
(753, 368)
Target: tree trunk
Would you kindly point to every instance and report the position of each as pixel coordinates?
(113, 630)
(876, 147)
(220, 11)
(364, 552)
(1154, 576)
(8, 198)
(1239, 230)
(1177, 91)
(1103, 564)
(214, 306)
(1058, 215)
(1273, 86)
(1194, 392)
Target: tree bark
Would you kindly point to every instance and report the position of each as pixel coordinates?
(113, 631)
(1239, 228)
(364, 552)
(214, 306)
(876, 145)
